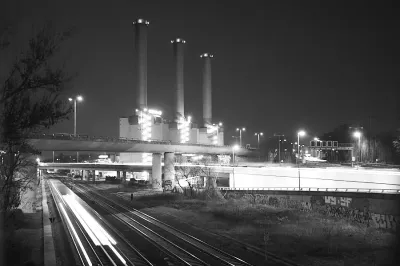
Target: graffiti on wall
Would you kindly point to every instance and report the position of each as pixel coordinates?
(340, 207)
(342, 201)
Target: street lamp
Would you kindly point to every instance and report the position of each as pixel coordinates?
(358, 134)
(300, 133)
(258, 138)
(75, 100)
(279, 146)
(240, 135)
(234, 147)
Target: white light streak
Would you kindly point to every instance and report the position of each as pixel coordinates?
(75, 234)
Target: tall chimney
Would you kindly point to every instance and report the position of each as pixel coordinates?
(141, 62)
(207, 89)
(178, 45)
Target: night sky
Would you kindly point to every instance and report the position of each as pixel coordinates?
(278, 65)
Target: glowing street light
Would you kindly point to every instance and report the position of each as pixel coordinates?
(258, 138)
(301, 133)
(78, 98)
(240, 135)
(358, 135)
(75, 100)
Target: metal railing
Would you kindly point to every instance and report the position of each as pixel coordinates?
(356, 190)
(345, 145)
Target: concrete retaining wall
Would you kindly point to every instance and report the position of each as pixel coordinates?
(377, 210)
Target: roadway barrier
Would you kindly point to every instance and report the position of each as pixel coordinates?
(334, 178)
(315, 189)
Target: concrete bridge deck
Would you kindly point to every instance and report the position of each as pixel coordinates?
(276, 178)
(54, 142)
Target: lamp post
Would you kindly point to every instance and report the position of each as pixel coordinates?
(279, 146)
(358, 134)
(258, 138)
(240, 135)
(75, 100)
(300, 133)
(234, 147)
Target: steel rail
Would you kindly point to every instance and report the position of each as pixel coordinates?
(141, 260)
(247, 246)
(106, 257)
(159, 241)
(58, 200)
(202, 246)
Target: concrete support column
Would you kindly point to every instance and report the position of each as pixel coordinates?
(86, 175)
(124, 176)
(118, 174)
(156, 171)
(169, 171)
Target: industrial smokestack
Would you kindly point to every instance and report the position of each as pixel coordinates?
(207, 89)
(179, 103)
(141, 62)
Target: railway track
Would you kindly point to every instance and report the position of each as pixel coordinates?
(219, 256)
(255, 250)
(177, 253)
(93, 245)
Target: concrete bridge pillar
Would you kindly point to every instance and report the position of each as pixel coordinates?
(118, 174)
(124, 176)
(169, 171)
(93, 175)
(86, 175)
(155, 180)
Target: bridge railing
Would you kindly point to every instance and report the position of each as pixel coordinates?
(355, 190)
(346, 145)
(65, 136)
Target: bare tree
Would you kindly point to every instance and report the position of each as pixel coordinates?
(193, 173)
(29, 103)
(189, 174)
(396, 143)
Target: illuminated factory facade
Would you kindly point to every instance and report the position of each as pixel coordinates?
(148, 124)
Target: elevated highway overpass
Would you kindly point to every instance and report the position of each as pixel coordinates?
(276, 178)
(66, 142)
(84, 143)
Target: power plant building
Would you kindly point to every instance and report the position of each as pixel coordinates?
(148, 124)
